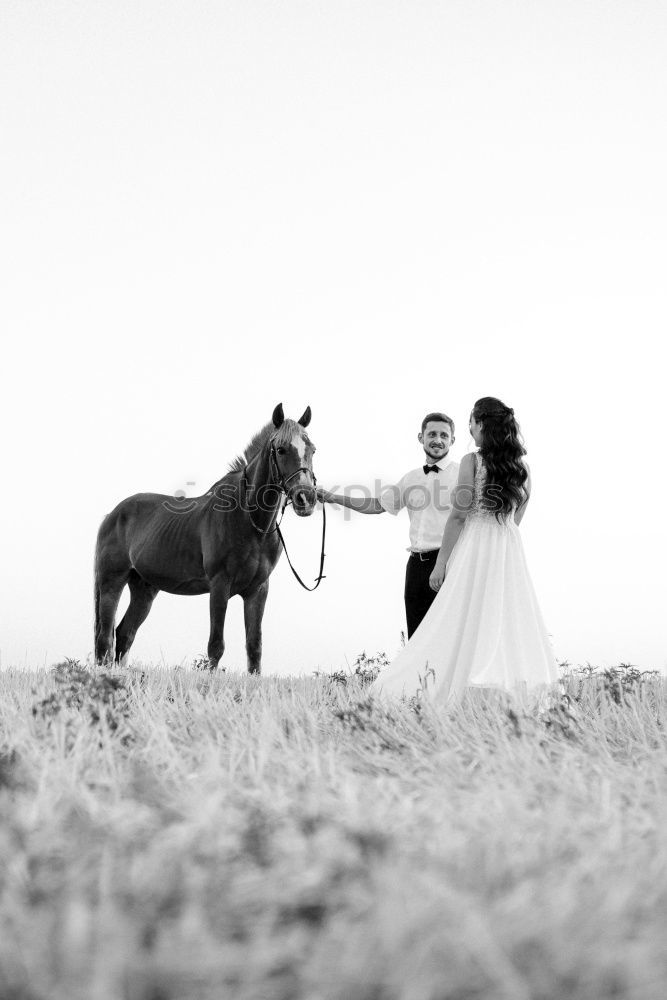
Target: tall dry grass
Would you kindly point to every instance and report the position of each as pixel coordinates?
(168, 834)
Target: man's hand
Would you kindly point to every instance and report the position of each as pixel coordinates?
(436, 578)
(323, 495)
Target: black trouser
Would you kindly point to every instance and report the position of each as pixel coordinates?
(418, 594)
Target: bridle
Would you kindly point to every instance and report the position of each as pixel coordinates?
(278, 480)
(281, 481)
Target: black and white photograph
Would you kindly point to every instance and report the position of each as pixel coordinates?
(333, 647)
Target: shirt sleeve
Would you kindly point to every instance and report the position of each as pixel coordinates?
(392, 498)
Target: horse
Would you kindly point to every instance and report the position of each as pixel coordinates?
(223, 543)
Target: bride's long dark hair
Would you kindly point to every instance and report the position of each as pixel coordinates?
(502, 451)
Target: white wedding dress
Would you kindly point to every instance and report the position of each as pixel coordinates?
(484, 628)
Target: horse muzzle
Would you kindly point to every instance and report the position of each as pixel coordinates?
(303, 500)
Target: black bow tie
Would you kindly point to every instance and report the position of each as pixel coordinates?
(431, 468)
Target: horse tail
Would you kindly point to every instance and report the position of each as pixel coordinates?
(97, 579)
(96, 597)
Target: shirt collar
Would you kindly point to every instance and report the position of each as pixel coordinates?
(442, 465)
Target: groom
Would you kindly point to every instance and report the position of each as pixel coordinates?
(426, 493)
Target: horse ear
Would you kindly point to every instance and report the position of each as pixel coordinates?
(305, 419)
(278, 415)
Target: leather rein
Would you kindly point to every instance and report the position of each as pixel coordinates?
(282, 483)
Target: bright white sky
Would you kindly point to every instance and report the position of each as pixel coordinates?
(377, 208)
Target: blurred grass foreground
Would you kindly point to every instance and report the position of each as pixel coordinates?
(175, 835)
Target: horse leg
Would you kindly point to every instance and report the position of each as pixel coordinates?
(218, 608)
(142, 595)
(253, 612)
(107, 596)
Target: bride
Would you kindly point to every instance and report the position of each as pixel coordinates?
(484, 628)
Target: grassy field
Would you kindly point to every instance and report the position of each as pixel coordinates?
(168, 834)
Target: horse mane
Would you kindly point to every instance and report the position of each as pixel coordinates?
(283, 435)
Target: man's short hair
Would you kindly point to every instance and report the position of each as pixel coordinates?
(442, 417)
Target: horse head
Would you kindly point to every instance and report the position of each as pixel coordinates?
(292, 460)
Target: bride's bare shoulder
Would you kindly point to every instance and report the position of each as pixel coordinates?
(467, 467)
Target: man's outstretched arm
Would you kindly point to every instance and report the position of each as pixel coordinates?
(363, 505)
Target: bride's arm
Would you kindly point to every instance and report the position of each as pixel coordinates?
(462, 498)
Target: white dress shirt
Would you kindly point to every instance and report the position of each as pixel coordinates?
(427, 496)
